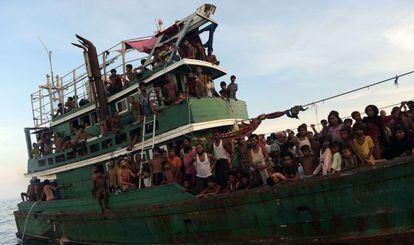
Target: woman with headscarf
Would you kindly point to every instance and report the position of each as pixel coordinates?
(401, 144)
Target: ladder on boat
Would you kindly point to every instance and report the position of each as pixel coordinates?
(143, 144)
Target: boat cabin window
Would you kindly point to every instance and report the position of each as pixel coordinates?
(107, 144)
(94, 118)
(74, 124)
(121, 106)
(86, 120)
(120, 138)
(94, 148)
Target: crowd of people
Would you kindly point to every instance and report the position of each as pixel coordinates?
(206, 168)
(146, 103)
(199, 84)
(220, 166)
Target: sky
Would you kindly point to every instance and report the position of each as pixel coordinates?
(284, 53)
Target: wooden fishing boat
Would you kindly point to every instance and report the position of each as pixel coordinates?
(372, 203)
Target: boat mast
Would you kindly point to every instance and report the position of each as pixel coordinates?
(95, 78)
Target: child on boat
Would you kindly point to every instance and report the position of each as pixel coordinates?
(363, 144)
(211, 189)
(336, 158)
(307, 161)
(325, 157)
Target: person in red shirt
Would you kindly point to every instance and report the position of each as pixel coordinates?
(175, 164)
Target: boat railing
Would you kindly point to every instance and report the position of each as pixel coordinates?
(75, 84)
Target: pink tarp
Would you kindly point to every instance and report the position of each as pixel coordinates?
(144, 45)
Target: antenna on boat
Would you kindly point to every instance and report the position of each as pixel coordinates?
(49, 55)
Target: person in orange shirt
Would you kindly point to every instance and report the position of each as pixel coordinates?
(176, 164)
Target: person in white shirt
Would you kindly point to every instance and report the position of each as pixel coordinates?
(203, 163)
(222, 152)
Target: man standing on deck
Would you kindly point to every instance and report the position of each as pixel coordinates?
(203, 165)
(221, 152)
(155, 98)
(258, 158)
(232, 87)
(156, 166)
(170, 90)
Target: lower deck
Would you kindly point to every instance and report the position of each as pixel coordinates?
(366, 203)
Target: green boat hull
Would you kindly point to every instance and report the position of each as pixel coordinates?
(373, 202)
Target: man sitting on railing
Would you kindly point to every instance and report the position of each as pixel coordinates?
(70, 104)
(211, 57)
(187, 50)
(60, 110)
(114, 85)
(141, 68)
(200, 51)
(129, 75)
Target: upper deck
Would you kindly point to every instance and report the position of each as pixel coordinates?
(75, 85)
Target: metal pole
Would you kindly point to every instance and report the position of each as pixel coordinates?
(153, 131)
(142, 150)
(40, 107)
(51, 98)
(74, 88)
(61, 92)
(33, 112)
(104, 65)
(123, 61)
(51, 67)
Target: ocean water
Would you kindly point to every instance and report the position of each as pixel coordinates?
(7, 225)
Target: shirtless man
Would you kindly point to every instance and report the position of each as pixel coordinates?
(48, 190)
(191, 85)
(115, 82)
(70, 104)
(112, 176)
(29, 194)
(156, 167)
(308, 161)
(189, 51)
(201, 81)
(170, 90)
(115, 123)
(58, 140)
(200, 51)
(211, 57)
(129, 75)
(136, 109)
(124, 176)
(100, 189)
(168, 176)
(82, 138)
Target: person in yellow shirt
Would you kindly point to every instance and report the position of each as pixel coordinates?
(363, 144)
(35, 151)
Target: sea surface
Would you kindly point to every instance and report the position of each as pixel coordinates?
(7, 225)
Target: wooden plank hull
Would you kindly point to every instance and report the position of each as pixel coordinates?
(374, 203)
